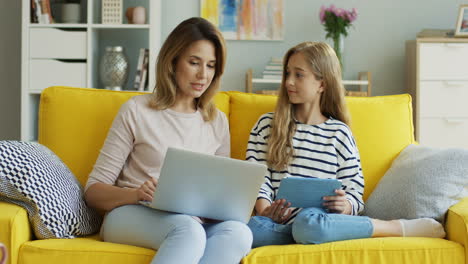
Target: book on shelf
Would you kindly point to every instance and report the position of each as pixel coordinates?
(276, 60)
(272, 76)
(144, 74)
(142, 70)
(41, 12)
(270, 67)
(273, 72)
(33, 15)
(274, 69)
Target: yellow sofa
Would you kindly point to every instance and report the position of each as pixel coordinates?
(73, 122)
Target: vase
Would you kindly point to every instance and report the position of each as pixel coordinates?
(113, 68)
(338, 46)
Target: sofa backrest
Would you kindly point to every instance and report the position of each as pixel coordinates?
(73, 122)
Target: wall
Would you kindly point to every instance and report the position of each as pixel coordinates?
(376, 43)
(10, 68)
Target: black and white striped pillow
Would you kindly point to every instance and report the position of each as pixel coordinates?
(33, 177)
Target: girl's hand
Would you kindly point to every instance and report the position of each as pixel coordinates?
(146, 190)
(337, 203)
(278, 211)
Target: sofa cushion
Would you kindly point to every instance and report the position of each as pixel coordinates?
(73, 123)
(422, 182)
(382, 126)
(33, 177)
(82, 250)
(244, 113)
(359, 251)
(363, 251)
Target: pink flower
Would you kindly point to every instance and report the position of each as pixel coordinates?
(337, 20)
(322, 14)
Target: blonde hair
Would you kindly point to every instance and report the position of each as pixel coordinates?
(325, 66)
(186, 33)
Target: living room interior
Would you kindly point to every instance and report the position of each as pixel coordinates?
(389, 42)
(376, 43)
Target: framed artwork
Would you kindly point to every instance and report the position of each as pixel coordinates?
(246, 19)
(461, 29)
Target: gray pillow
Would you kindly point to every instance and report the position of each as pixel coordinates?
(33, 177)
(422, 182)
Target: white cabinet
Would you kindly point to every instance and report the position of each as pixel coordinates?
(69, 54)
(438, 81)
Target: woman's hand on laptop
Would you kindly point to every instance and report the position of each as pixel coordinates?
(146, 190)
(278, 211)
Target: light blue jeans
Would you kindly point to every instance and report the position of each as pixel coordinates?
(178, 238)
(311, 226)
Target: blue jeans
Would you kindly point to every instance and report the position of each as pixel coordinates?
(311, 226)
(178, 238)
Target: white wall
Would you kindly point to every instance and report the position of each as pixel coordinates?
(10, 69)
(375, 44)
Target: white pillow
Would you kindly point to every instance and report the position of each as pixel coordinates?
(33, 177)
(422, 182)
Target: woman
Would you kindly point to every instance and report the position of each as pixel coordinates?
(180, 113)
(308, 136)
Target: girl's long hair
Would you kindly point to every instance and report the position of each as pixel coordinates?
(325, 66)
(185, 34)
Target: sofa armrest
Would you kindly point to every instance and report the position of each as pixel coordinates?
(456, 224)
(14, 229)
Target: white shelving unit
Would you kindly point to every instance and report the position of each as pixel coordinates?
(364, 83)
(69, 54)
(438, 81)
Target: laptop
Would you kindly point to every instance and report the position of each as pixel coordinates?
(208, 186)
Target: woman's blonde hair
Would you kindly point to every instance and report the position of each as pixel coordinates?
(325, 66)
(186, 33)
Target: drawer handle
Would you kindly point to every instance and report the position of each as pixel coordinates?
(454, 45)
(454, 120)
(71, 60)
(454, 84)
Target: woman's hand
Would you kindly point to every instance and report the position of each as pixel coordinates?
(337, 203)
(278, 211)
(146, 190)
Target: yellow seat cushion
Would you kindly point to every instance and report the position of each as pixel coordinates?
(74, 123)
(382, 127)
(362, 251)
(244, 112)
(82, 250)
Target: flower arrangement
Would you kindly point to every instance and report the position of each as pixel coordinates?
(336, 22)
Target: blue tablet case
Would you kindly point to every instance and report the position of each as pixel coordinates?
(307, 192)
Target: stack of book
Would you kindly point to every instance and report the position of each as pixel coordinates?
(141, 75)
(274, 69)
(41, 12)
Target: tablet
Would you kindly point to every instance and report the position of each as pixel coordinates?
(307, 192)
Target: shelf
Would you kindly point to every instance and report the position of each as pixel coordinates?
(96, 26)
(120, 26)
(69, 54)
(364, 80)
(58, 25)
(37, 91)
(345, 82)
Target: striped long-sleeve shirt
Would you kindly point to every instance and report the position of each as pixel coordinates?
(326, 151)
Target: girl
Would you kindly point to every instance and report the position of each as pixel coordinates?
(308, 136)
(180, 113)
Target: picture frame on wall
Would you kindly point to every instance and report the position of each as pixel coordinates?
(461, 29)
(246, 20)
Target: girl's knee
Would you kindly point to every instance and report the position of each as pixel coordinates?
(311, 228)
